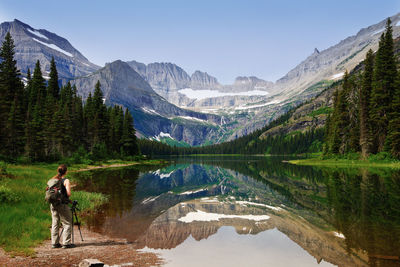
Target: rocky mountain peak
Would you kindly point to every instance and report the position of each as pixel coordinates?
(166, 76)
(316, 51)
(203, 80)
(251, 83)
(38, 44)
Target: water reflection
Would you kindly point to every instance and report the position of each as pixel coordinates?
(347, 217)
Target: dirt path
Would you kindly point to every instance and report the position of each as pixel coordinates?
(111, 251)
(106, 166)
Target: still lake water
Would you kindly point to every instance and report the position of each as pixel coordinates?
(252, 211)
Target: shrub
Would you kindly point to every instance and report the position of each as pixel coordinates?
(3, 168)
(7, 196)
(381, 156)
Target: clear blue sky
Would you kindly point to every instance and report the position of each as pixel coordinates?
(224, 38)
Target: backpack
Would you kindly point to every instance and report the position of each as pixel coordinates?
(54, 194)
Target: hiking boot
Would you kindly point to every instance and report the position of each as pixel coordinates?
(56, 246)
(69, 246)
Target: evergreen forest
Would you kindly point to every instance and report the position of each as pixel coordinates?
(39, 121)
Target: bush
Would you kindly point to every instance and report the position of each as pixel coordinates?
(3, 168)
(381, 156)
(7, 196)
(81, 156)
(352, 156)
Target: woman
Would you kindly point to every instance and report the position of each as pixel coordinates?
(62, 212)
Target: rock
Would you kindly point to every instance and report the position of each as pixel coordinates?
(91, 263)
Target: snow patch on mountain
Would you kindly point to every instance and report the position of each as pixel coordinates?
(151, 111)
(38, 34)
(162, 175)
(202, 216)
(162, 135)
(52, 46)
(193, 192)
(337, 76)
(191, 118)
(245, 203)
(204, 94)
(258, 106)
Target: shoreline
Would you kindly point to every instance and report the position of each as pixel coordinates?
(110, 251)
(345, 163)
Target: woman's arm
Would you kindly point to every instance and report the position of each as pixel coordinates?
(68, 187)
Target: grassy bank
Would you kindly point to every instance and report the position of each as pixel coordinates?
(24, 215)
(347, 163)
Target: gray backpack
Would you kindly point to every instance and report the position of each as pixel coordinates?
(54, 193)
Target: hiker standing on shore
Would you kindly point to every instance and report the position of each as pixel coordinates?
(57, 194)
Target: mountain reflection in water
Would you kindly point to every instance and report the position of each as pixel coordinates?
(255, 209)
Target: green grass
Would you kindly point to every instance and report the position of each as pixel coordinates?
(323, 110)
(347, 163)
(25, 217)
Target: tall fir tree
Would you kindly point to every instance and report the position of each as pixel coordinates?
(382, 88)
(52, 87)
(12, 108)
(365, 95)
(129, 143)
(393, 139)
(35, 135)
(340, 119)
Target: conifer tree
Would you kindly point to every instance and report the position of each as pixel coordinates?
(52, 86)
(339, 120)
(365, 94)
(100, 115)
(35, 146)
(393, 139)
(382, 88)
(11, 102)
(129, 144)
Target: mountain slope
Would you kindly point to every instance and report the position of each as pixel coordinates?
(32, 45)
(154, 116)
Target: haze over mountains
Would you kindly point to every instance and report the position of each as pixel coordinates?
(168, 102)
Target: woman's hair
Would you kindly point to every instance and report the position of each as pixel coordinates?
(61, 170)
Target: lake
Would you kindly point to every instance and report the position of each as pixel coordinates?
(251, 211)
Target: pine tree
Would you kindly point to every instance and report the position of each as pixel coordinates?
(35, 146)
(393, 139)
(52, 86)
(382, 88)
(365, 94)
(129, 143)
(353, 126)
(100, 116)
(339, 119)
(12, 107)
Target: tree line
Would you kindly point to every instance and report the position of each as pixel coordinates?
(292, 143)
(43, 122)
(366, 115)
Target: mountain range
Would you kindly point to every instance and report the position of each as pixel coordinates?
(195, 109)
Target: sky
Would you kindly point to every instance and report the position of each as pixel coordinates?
(223, 38)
